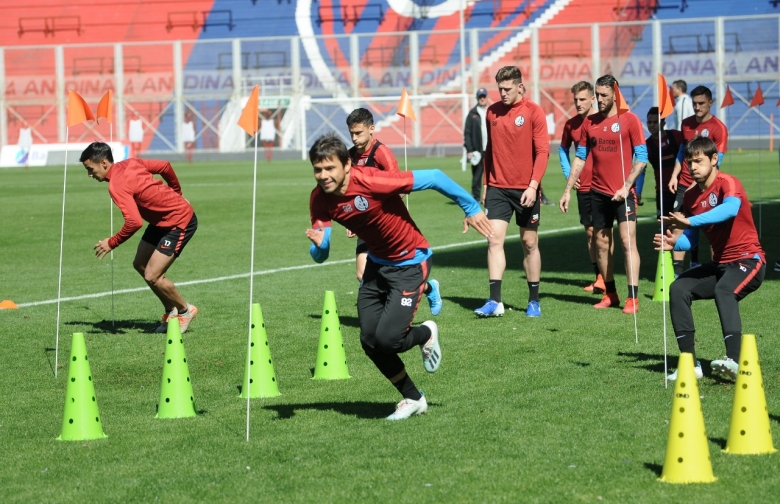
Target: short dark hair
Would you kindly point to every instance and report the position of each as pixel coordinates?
(582, 86)
(653, 112)
(702, 90)
(607, 80)
(97, 152)
(328, 146)
(360, 116)
(509, 73)
(681, 84)
(700, 145)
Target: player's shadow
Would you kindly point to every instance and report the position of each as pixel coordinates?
(344, 320)
(472, 303)
(571, 298)
(656, 469)
(651, 362)
(775, 418)
(360, 409)
(117, 326)
(718, 441)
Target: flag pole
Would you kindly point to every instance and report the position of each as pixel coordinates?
(111, 231)
(663, 255)
(406, 168)
(62, 241)
(251, 283)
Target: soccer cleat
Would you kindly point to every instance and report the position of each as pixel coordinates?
(610, 300)
(434, 297)
(163, 327)
(725, 368)
(491, 309)
(696, 370)
(597, 286)
(632, 306)
(186, 318)
(533, 310)
(431, 351)
(777, 265)
(409, 407)
(695, 264)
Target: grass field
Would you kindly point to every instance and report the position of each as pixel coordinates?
(564, 408)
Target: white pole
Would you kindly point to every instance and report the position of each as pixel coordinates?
(630, 272)
(661, 189)
(251, 285)
(111, 230)
(59, 272)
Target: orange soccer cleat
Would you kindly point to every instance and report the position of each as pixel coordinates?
(632, 306)
(610, 300)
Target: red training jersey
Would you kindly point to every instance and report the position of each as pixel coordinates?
(372, 210)
(603, 137)
(518, 145)
(735, 238)
(377, 155)
(571, 135)
(141, 197)
(713, 129)
(670, 146)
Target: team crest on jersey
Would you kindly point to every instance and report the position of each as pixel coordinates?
(713, 200)
(705, 133)
(615, 128)
(361, 203)
(361, 162)
(519, 120)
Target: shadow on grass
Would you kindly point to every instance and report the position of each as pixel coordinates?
(719, 441)
(585, 299)
(359, 409)
(651, 362)
(117, 326)
(657, 469)
(472, 303)
(344, 320)
(775, 418)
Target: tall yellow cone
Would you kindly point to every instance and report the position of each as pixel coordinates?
(259, 376)
(687, 453)
(749, 431)
(664, 271)
(81, 418)
(176, 398)
(331, 359)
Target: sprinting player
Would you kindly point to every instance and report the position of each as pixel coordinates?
(172, 222)
(369, 151)
(583, 102)
(604, 135)
(515, 161)
(718, 205)
(670, 145)
(702, 123)
(399, 257)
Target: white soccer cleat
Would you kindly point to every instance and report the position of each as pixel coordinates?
(696, 370)
(431, 351)
(725, 368)
(185, 319)
(409, 407)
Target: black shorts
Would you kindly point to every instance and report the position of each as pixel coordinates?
(361, 247)
(605, 211)
(170, 241)
(501, 203)
(585, 208)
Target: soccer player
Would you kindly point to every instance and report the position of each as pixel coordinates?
(670, 145)
(399, 258)
(583, 102)
(172, 222)
(718, 205)
(369, 151)
(611, 139)
(515, 162)
(702, 123)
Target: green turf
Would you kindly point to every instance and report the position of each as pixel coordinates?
(565, 408)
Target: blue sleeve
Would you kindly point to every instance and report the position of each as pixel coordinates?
(681, 153)
(640, 153)
(321, 253)
(437, 180)
(582, 152)
(563, 156)
(720, 158)
(687, 240)
(721, 213)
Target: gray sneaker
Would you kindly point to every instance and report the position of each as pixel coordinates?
(431, 351)
(725, 368)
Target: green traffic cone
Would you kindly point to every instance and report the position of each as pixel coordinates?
(259, 376)
(81, 418)
(664, 276)
(176, 398)
(331, 359)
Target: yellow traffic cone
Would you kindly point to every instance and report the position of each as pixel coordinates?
(331, 359)
(664, 276)
(176, 397)
(259, 375)
(687, 454)
(749, 430)
(81, 417)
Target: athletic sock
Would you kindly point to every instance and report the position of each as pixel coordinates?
(185, 310)
(533, 291)
(632, 291)
(596, 269)
(733, 345)
(495, 290)
(419, 334)
(678, 267)
(428, 288)
(407, 388)
(695, 254)
(610, 287)
(687, 343)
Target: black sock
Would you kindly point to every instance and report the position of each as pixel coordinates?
(533, 291)
(610, 287)
(596, 269)
(695, 254)
(428, 288)
(733, 345)
(678, 267)
(632, 291)
(687, 343)
(495, 290)
(407, 388)
(185, 310)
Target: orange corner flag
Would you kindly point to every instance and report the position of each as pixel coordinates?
(622, 105)
(758, 98)
(728, 100)
(78, 110)
(405, 107)
(248, 119)
(104, 107)
(665, 107)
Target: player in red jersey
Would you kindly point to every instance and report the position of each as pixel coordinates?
(613, 140)
(718, 205)
(515, 161)
(583, 102)
(701, 123)
(399, 258)
(172, 221)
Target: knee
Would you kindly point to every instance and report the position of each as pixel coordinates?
(151, 278)
(139, 266)
(677, 293)
(388, 343)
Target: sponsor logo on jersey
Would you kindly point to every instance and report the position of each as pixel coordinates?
(494, 123)
(361, 203)
(519, 120)
(713, 199)
(361, 162)
(347, 208)
(615, 128)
